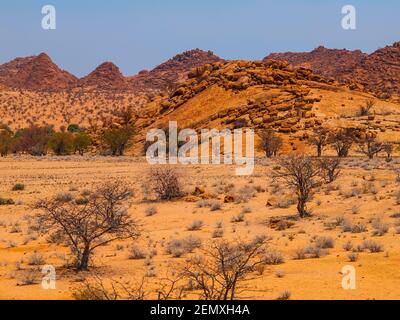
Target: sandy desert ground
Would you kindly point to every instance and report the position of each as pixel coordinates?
(365, 191)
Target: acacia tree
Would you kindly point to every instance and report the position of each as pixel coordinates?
(117, 140)
(342, 141)
(330, 169)
(300, 173)
(319, 139)
(6, 140)
(271, 143)
(388, 149)
(82, 142)
(370, 146)
(219, 272)
(86, 225)
(61, 143)
(33, 140)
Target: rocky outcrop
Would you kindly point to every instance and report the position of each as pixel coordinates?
(378, 72)
(171, 73)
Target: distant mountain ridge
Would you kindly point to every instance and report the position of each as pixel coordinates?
(378, 72)
(35, 73)
(40, 73)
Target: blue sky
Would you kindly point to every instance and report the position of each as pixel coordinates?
(140, 34)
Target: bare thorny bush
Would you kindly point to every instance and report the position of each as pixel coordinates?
(304, 174)
(270, 142)
(370, 146)
(223, 267)
(96, 288)
(330, 169)
(165, 182)
(218, 273)
(319, 139)
(87, 225)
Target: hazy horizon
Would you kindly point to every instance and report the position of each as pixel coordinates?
(142, 34)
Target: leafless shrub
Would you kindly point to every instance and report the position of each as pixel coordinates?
(29, 278)
(330, 169)
(238, 218)
(220, 270)
(324, 242)
(180, 247)
(353, 257)
(270, 143)
(300, 254)
(319, 139)
(196, 225)
(285, 295)
(165, 182)
(348, 246)
(36, 259)
(301, 174)
(365, 110)
(355, 210)
(137, 253)
(372, 246)
(369, 145)
(97, 289)
(280, 273)
(218, 233)
(101, 221)
(246, 210)
(273, 257)
(314, 252)
(215, 206)
(380, 228)
(150, 211)
(387, 147)
(342, 141)
(64, 197)
(245, 194)
(348, 226)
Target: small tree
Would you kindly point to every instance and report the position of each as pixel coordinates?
(270, 142)
(87, 225)
(6, 140)
(388, 149)
(369, 145)
(319, 139)
(61, 143)
(301, 174)
(219, 272)
(33, 140)
(117, 139)
(330, 169)
(82, 142)
(342, 141)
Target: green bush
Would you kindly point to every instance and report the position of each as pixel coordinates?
(82, 142)
(116, 140)
(18, 187)
(61, 143)
(73, 128)
(6, 140)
